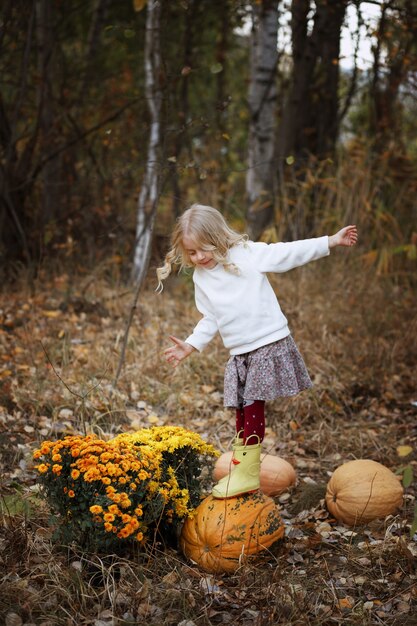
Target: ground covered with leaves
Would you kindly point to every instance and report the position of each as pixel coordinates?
(61, 343)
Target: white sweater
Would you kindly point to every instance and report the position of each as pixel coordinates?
(243, 307)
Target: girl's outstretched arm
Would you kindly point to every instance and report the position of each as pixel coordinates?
(347, 236)
(178, 352)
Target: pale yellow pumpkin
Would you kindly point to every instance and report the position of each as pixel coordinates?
(224, 533)
(276, 474)
(362, 490)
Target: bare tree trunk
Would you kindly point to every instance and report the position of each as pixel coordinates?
(150, 187)
(388, 74)
(97, 22)
(311, 116)
(14, 184)
(354, 80)
(182, 139)
(327, 82)
(44, 40)
(262, 99)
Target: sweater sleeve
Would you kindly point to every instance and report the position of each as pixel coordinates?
(281, 257)
(207, 327)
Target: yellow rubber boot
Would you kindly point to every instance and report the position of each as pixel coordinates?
(244, 478)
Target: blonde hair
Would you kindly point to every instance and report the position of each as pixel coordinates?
(208, 228)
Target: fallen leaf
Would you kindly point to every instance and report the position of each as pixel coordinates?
(346, 603)
(404, 450)
(51, 314)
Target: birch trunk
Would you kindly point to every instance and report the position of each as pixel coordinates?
(262, 98)
(148, 196)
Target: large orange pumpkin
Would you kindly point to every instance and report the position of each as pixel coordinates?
(223, 533)
(362, 490)
(276, 473)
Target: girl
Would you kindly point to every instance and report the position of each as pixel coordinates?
(235, 298)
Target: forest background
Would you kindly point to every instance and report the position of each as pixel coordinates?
(114, 117)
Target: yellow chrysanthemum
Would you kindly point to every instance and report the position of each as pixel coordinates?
(108, 527)
(108, 517)
(152, 487)
(96, 509)
(75, 474)
(42, 468)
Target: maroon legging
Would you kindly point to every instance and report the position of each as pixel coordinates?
(251, 420)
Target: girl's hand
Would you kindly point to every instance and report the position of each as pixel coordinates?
(347, 236)
(178, 352)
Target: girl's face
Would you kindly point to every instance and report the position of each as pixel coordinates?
(198, 256)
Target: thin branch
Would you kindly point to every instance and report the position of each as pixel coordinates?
(72, 392)
(75, 140)
(135, 299)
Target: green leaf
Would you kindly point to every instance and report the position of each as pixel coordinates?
(216, 68)
(407, 476)
(17, 504)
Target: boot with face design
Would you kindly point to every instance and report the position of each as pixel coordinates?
(245, 477)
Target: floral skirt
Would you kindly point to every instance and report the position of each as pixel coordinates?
(267, 373)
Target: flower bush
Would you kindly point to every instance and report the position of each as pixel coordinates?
(109, 493)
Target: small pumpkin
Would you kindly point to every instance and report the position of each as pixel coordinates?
(276, 474)
(362, 490)
(224, 533)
